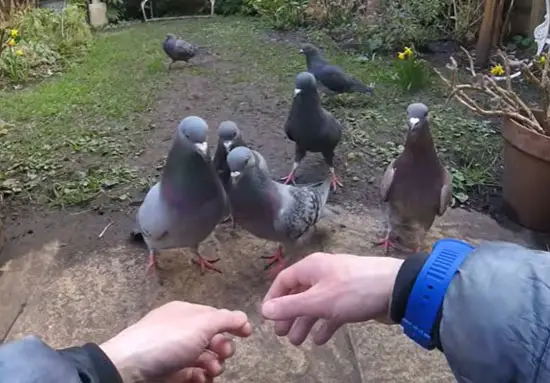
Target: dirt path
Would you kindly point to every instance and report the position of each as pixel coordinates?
(69, 286)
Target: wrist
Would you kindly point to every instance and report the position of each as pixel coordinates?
(122, 361)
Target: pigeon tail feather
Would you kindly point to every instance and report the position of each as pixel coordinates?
(358, 86)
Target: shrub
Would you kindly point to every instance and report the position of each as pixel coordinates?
(281, 14)
(234, 7)
(410, 71)
(46, 41)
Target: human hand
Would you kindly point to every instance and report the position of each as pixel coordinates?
(178, 342)
(333, 288)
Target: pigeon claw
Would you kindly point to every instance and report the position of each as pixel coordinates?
(387, 244)
(206, 264)
(152, 265)
(335, 182)
(289, 179)
(275, 259)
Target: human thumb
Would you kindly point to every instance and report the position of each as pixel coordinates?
(234, 322)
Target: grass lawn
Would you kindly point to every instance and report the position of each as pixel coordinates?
(68, 139)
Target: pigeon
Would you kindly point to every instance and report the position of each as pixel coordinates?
(184, 207)
(179, 50)
(416, 186)
(271, 210)
(311, 127)
(229, 137)
(331, 77)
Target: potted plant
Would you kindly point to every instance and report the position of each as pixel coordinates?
(526, 132)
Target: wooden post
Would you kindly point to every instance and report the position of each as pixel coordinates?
(538, 8)
(484, 40)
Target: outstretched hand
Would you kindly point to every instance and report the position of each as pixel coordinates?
(177, 342)
(333, 289)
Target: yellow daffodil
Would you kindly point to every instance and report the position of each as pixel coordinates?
(497, 70)
(541, 59)
(401, 55)
(408, 51)
(11, 42)
(14, 33)
(19, 52)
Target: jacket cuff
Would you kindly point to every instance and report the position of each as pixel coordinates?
(404, 282)
(106, 370)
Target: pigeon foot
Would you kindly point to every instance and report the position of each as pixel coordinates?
(206, 264)
(290, 178)
(387, 243)
(230, 218)
(335, 182)
(276, 259)
(152, 265)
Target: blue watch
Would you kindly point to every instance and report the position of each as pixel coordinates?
(429, 289)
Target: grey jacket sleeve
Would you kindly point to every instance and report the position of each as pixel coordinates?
(495, 325)
(30, 360)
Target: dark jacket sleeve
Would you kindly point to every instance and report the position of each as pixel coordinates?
(494, 325)
(30, 360)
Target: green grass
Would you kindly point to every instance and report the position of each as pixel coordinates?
(68, 139)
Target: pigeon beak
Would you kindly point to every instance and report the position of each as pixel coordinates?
(235, 176)
(202, 146)
(227, 145)
(413, 122)
(296, 91)
(301, 51)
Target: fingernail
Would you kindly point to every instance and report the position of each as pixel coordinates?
(268, 309)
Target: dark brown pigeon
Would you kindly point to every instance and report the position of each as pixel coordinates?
(416, 186)
(311, 127)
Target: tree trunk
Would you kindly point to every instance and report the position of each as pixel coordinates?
(484, 40)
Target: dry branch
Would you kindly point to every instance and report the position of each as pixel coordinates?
(507, 103)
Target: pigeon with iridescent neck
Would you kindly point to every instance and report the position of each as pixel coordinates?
(311, 127)
(229, 137)
(186, 205)
(415, 187)
(331, 78)
(270, 210)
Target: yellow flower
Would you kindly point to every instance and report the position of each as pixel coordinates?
(14, 33)
(497, 70)
(11, 42)
(401, 55)
(541, 59)
(408, 51)
(19, 52)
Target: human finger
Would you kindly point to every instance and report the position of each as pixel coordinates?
(209, 362)
(324, 332)
(222, 346)
(312, 302)
(291, 278)
(234, 322)
(282, 327)
(300, 330)
(190, 375)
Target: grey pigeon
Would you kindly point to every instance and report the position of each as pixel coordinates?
(311, 127)
(271, 210)
(229, 137)
(331, 77)
(179, 50)
(416, 186)
(184, 207)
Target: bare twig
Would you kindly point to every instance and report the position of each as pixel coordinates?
(105, 230)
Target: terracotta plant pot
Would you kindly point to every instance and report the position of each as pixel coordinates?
(526, 177)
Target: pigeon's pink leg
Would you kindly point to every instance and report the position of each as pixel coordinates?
(387, 243)
(276, 259)
(335, 181)
(292, 175)
(153, 264)
(205, 263)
